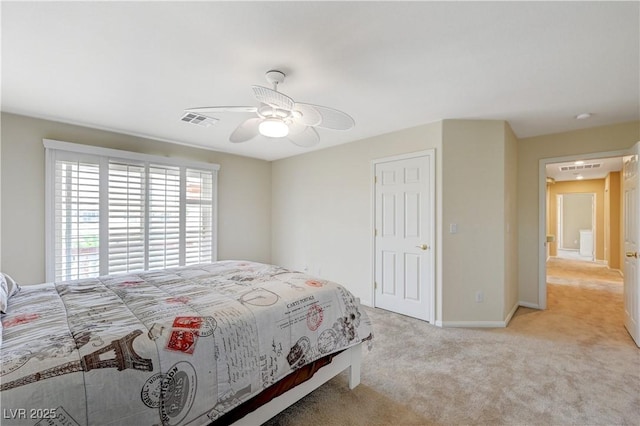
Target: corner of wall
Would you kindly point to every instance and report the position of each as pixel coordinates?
(474, 199)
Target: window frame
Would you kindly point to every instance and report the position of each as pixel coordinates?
(52, 147)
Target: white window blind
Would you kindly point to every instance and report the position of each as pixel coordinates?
(198, 217)
(77, 212)
(164, 217)
(111, 211)
(126, 185)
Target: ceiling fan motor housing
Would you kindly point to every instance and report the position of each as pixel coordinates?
(274, 76)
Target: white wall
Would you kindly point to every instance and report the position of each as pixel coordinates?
(322, 207)
(244, 192)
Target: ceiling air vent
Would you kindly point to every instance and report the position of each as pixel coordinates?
(200, 120)
(580, 167)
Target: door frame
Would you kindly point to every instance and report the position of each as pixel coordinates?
(542, 213)
(431, 153)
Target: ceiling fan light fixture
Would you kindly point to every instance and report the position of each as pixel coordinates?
(273, 128)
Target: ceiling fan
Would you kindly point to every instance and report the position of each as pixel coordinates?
(279, 116)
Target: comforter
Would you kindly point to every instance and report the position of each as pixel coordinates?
(177, 346)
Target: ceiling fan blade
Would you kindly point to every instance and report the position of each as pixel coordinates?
(296, 127)
(217, 109)
(247, 130)
(306, 138)
(308, 115)
(272, 98)
(330, 118)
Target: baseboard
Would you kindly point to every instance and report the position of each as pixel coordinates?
(474, 324)
(480, 324)
(511, 313)
(616, 270)
(366, 303)
(529, 305)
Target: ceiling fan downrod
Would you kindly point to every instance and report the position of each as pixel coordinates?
(275, 77)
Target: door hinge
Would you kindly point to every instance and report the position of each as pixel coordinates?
(375, 285)
(375, 232)
(375, 179)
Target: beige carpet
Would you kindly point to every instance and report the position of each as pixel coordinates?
(572, 364)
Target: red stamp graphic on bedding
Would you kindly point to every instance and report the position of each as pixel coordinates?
(315, 314)
(182, 341)
(20, 319)
(202, 326)
(187, 322)
(314, 283)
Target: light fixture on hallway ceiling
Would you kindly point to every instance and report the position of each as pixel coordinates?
(583, 116)
(579, 177)
(279, 116)
(578, 163)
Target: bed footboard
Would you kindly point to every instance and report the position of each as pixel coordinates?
(348, 359)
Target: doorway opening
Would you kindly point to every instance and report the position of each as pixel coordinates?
(582, 223)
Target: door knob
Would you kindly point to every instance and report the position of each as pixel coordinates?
(423, 247)
(632, 254)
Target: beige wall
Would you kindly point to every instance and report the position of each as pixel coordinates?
(612, 219)
(322, 208)
(314, 210)
(511, 221)
(322, 214)
(590, 186)
(477, 197)
(244, 192)
(530, 152)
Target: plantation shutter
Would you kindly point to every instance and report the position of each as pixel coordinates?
(111, 211)
(164, 216)
(77, 218)
(127, 185)
(199, 214)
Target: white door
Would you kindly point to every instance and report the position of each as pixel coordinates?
(404, 228)
(631, 179)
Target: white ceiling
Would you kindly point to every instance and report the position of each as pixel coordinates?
(133, 67)
(588, 169)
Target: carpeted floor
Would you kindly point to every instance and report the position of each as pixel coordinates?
(573, 363)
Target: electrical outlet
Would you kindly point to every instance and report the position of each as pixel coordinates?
(479, 296)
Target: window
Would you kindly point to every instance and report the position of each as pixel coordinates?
(111, 211)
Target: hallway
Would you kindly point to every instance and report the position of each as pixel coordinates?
(587, 291)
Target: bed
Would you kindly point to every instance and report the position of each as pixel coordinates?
(206, 344)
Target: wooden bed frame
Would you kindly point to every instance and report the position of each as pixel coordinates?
(348, 359)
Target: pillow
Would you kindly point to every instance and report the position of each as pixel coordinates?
(8, 287)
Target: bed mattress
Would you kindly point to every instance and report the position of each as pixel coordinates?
(177, 346)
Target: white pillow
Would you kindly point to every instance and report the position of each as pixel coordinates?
(8, 287)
